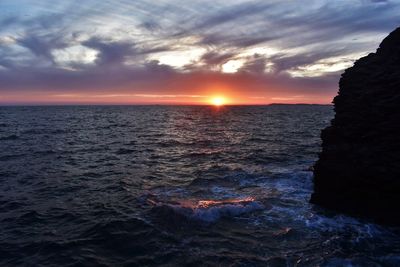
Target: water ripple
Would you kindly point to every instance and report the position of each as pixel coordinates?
(173, 186)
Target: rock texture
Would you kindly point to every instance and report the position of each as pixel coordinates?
(358, 171)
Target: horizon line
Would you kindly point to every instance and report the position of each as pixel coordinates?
(163, 104)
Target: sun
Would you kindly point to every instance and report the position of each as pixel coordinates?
(218, 101)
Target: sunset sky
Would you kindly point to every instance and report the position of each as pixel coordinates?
(184, 52)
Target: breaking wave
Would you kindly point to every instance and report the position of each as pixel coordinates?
(207, 211)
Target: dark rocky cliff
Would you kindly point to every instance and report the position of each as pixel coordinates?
(358, 171)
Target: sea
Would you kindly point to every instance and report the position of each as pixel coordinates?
(173, 186)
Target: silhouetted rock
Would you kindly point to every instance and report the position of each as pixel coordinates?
(358, 171)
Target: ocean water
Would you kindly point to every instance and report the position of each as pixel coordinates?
(173, 186)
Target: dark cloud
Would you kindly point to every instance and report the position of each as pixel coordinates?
(150, 25)
(284, 62)
(7, 21)
(111, 53)
(232, 13)
(42, 46)
(154, 77)
(379, 1)
(6, 63)
(234, 41)
(214, 58)
(256, 65)
(294, 28)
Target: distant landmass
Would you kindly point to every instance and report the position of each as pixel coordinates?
(299, 104)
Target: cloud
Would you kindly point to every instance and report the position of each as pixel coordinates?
(232, 13)
(160, 45)
(39, 46)
(256, 65)
(213, 58)
(110, 53)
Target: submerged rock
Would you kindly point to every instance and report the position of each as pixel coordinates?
(358, 171)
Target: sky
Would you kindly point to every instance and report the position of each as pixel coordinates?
(184, 52)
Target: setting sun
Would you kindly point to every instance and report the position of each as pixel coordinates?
(218, 101)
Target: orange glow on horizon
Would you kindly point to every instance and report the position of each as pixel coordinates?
(194, 89)
(215, 94)
(218, 101)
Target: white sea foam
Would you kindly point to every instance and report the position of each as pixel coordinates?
(212, 214)
(210, 210)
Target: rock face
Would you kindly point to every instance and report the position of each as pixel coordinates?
(358, 171)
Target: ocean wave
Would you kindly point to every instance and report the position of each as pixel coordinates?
(10, 137)
(206, 211)
(33, 131)
(39, 131)
(190, 195)
(361, 229)
(124, 151)
(45, 152)
(204, 154)
(117, 227)
(11, 157)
